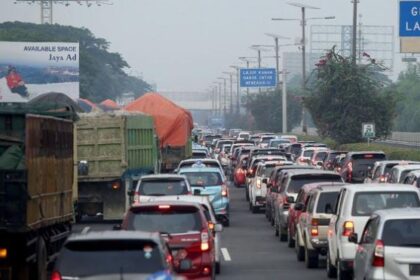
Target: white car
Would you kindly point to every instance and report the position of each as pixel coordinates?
(399, 172)
(389, 246)
(216, 226)
(306, 153)
(356, 204)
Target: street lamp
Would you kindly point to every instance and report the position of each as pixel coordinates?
(231, 89)
(224, 94)
(303, 44)
(238, 80)
(219, 97)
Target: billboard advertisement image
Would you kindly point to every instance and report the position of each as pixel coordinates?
(29, 69)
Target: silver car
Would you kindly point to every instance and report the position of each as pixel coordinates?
(389, 247)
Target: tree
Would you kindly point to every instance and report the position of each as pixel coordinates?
(102, 73)
(266, 109)
(344, 95)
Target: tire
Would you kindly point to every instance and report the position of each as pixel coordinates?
(42, 260)
(276, 229)
(283, 235)
(300, 251)
(311, 258)
(331, 270)
(290, 241)
(218, 268)
(246, 194)
(226, 223)
(341, 274)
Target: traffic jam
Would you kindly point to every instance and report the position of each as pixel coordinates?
(357, 211)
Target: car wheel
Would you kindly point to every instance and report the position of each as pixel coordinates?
(276, 229)
(226, 223)
(300, 253)
(218, 268)
(246, 194)
(331, 270)
(283, 234)
(290, 241)
(341, 274)
(272, 220)
(311, 258)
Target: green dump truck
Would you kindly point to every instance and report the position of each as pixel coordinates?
(36, 179)
(113, 151)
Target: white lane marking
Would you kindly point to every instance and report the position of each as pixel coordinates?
(225, 254)
(85, 230)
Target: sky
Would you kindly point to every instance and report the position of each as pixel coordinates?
(185, 45)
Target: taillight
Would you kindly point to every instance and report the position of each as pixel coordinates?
(348, 228)
(3, 253)
(314, 227)
(240, 171)
(56, 276)
(211, 225)
(379, 254)
(225, 192)
(204, 241)
(136, 198)
(258, 183)
(382, 179)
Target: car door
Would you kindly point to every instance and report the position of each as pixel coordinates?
(306, 215)
(333, 230)
(366, 248)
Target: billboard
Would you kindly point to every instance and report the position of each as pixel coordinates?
(258, 77)
(28, 69)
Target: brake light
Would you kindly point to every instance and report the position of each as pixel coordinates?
(204, 241)
(379, 254)
(368, 156)
(136, 198)
(56, 276)
(348, 228)
(314, 227)
(224, 190)
(302, 159)
(3, 253)
(382, 179)
(169, 259)
(258, 183)
(350, 170)
(164, 206)
(211, 225)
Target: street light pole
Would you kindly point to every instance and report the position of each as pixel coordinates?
(284, 102)
(231, 91)
(353, 51)
(304, 125)
(238, 78)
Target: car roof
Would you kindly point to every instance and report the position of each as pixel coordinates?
(374, 187)
(406, 166)
(108, 235)
(399, 213)
(198, 169)
(162, 176)
(293, 172)
(202, 160)
(322, 185)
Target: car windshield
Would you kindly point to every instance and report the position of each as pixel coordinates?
(327, 200)
(365, 203)
(402, 233)
(166, 220)
(204, 178)
(164, 187)
(103, 257)
(297, 182)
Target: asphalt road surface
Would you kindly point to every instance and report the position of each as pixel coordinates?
(249, 248)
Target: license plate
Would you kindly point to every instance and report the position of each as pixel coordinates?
(415, 269)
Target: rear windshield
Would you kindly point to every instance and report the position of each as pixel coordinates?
(369, 157)
(164, 187)
(308, 153)
(402, 233)
(326, 201)
(296, 183)
(204, 179)
(278, 142)
(321, 156)
(267, 139)
(172, 220)
(226, 148)
(244, 136)
(365, 203)
(199, 154)
(295, 149)
(103, 257)
(221, 143)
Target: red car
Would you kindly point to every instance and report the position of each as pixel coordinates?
(185, 228)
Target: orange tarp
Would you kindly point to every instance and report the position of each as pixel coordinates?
(110, 104)
(173, 123)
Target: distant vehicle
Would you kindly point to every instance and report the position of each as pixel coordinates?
(413, 178)
(381, 170)
(199, 154)
(207, 162)
(292, 138)
(306, 153)
(186, 230)
(388, 245)
(265, 140)
(274, 143)
(210, 182)
(355, 205)
(318, 158)
(113, 255)
(244, 135)
(330, 161)
(239, 174)
(356, 165)
(399, 172)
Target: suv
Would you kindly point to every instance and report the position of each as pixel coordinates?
(290, 184)
(312, 226)
(355, 205)
(306, 153)
(185, 227)
(381, 170)
(329, 161)
(356, 165)
(389, 246)
(399, 172)
(161, 185)
(108, 254)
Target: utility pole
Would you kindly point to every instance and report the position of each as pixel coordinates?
(238, 89)
(220, 99)
(284, 101)
(231, 91)
(354, 52)
(360, 39)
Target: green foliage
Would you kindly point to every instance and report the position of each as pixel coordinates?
(102, 73)
(344, 95)
(266, 108)
(391, 152)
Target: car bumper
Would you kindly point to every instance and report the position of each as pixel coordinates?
(321, 245)
(346, 265)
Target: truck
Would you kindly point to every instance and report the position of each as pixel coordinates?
(36, 179)
(113, 151)
(173, 127)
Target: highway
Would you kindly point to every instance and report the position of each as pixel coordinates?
(249, 248)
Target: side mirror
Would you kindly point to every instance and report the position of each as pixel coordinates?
(185, 265)
(290, 199)
(218, 228)
(353, 238)
(299, 206)
(116, 227)
(265, 181)
(197, 192)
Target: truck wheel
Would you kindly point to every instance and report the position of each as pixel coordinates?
(42, 260)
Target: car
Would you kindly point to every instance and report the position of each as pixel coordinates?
(219, 144)
(265, 140)
(207, 162)
(306, 153)
(291, 182)
(329, 163)
(161, 185)
(206, 140)
(318, 158)
(112, 255)
(199, 153)
(356, 203)
(316, 208)
(210, 182)
(239, 173)
(399, 172)
(356, 165)
(413, 178)
(186, 230)
(214, 226)
(244, 135)
(275, 142)
(381, 170)
(389, 246)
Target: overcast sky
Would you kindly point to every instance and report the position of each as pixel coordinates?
(184, 45)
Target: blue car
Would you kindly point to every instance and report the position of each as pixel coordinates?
(210, 181)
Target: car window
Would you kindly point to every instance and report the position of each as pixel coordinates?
(204, 178)
(297, 182)
(267, 170)
(365, 203)
(321, 156)
(327, 202)
(170, 220)
(300, 197)
(311, 203)
(340, 202)
(370, 231)
(164, 187)
(377, 172)
(402, 233)
(102, 257)
(308, 153)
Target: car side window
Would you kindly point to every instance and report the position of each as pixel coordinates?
(370, 231)
(283, 184)
(300, 196)
(393, 176)
(337, 207)
(377, 173)
(311, 203)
